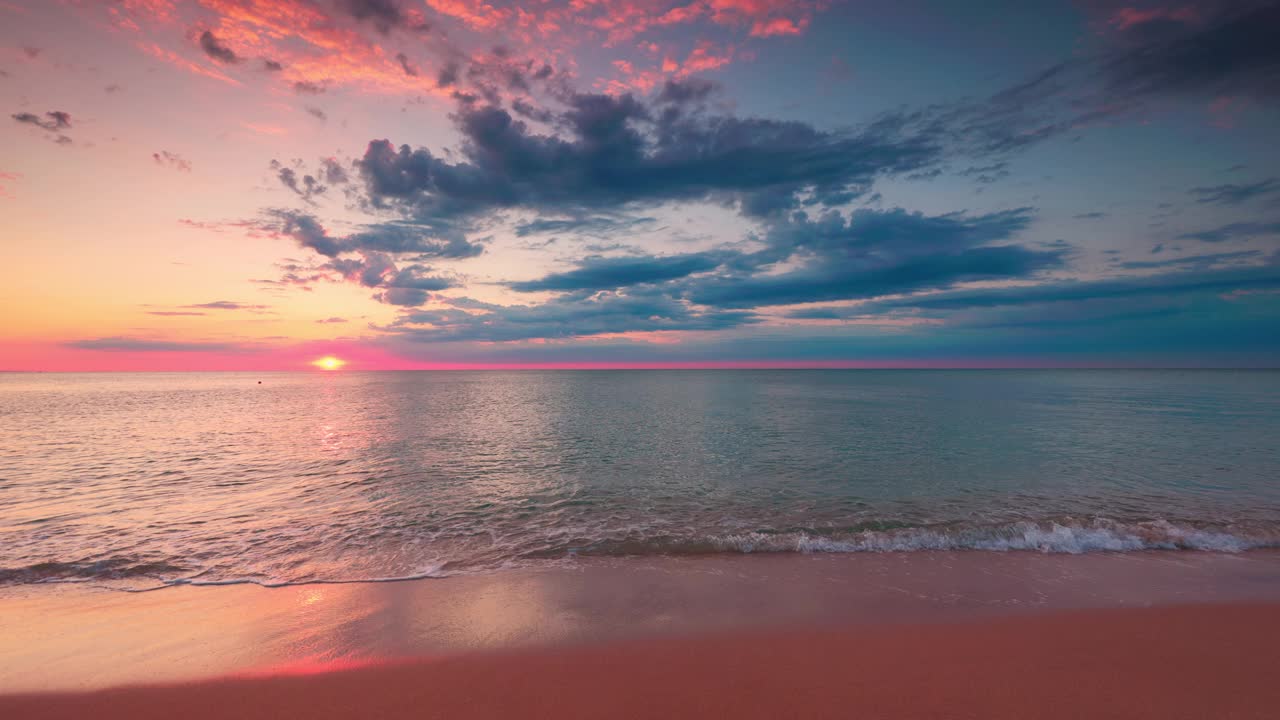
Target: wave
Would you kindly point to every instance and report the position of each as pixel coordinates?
(435, 572)
(1060, 536)
(1050, 537)
(113, 568)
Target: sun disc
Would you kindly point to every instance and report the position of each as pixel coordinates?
(329, 362)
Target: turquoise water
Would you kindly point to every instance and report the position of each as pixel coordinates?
(142, 480)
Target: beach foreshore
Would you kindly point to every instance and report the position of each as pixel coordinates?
(721, 614)
(1201, 661)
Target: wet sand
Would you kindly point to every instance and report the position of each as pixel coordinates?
(1205, 661)
(73, 637)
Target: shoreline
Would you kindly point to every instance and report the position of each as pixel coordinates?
(67, 637)
(1186, 661)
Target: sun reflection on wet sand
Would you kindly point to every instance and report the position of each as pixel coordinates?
(75, 637)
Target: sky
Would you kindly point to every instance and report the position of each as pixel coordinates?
(254, 184)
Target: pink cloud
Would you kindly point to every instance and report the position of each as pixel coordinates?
(316, 44)
(476, 15)
(779, 26)
(1127, 17)
(705, 57)
(7, 177)
(178, 61)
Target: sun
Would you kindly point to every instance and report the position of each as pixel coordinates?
(328, 362)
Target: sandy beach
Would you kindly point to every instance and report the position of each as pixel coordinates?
(1175, 662)
(984, 635)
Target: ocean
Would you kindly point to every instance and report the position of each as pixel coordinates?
(141, 481)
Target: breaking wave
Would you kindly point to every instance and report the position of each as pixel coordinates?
(1050, 536)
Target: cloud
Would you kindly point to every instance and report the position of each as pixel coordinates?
(173, 160)
(1198, 261)
(176, 313)
(448, 74)
(227, 305)
(408, 286)
(269, 65)
(1232, 231)
(1232, 50)
(316, 113)
(1234, 194)
(386, 237)
(332, 320)
(562, 318)
(214, 48)
(1222, 51)
(408, 67)
(1197, 281)
(608, 273)
(874, 253)
(129, 344)
(53, 121)
(306, 87)
(688, 90)
(305, 187)
(594, 226)
(618, 154)
(332, 172)
(384, 15)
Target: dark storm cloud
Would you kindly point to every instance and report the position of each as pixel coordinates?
(615, 154)
(1232, 231)
(565, 317)
(1234, 194)
(128, 344)
(608, 273)
(214, 48)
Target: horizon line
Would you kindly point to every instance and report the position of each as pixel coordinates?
(627, 367)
